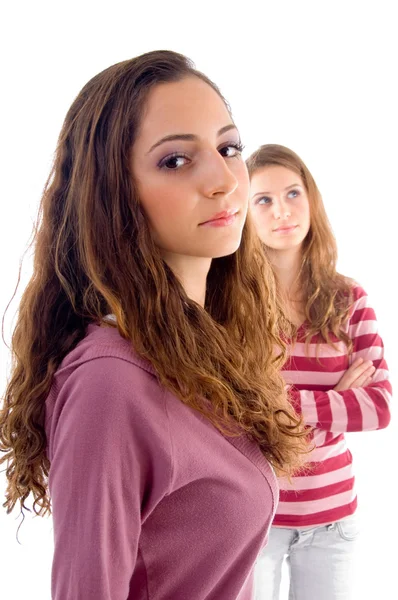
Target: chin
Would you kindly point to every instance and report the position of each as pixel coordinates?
(226, 249)
(291, 246)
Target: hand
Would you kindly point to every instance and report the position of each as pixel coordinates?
(359, 374)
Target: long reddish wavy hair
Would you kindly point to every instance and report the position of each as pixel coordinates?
(94, 255)
(328, 294)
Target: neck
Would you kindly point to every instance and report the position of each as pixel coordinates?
(286, 265)
(192, 273)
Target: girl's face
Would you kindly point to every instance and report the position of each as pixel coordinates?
(279, 207)
(192, 182)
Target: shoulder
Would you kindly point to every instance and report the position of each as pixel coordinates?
(361, 309)
(104, 373)
(358, 293)
(106, 343)
(104, 391)
(360, 298)
(106, 418)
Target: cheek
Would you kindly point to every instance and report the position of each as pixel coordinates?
(261, 218)
(307, 213)
(306, 219)
(162, 202)
(302, 209)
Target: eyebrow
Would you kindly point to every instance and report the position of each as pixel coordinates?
(285, 190)
(187, 137)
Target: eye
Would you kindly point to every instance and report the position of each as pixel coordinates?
(173, 162)
(263, 200)
(231, 150)
(293, 194)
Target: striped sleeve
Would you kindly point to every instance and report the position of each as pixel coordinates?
(356, 409)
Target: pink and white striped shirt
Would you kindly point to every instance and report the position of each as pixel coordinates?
(326, 493)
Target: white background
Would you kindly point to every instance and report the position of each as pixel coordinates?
(319, 77)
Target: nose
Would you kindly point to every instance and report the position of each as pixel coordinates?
(218, 179)
(280, 209)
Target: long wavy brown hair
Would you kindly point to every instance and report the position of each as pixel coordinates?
(328, 293)
(94, 255)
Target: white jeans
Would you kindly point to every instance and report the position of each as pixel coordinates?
(320, 561)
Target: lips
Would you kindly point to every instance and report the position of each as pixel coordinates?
(225, 214)
(286, 228)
